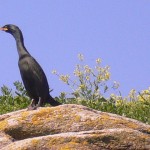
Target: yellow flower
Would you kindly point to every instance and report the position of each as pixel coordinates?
(87, 69)
(146, 92)
(107, 76)
(99, 78)
(54, 72)
(113, 96)
(98, 61)
(82, 86)
(118, 102)
(140, 98)
(77, 73)
(132, 94)
(87, 78)
(64, 78)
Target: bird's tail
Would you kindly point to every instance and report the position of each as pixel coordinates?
(53, 102)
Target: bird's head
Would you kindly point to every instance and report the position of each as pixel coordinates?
(12, 29)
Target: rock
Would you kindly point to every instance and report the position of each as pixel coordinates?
(71, 127)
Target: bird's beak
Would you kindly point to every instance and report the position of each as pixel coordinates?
(3, 29)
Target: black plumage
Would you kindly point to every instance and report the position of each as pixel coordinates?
(32, 74)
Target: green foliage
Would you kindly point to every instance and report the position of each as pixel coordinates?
(139, 110)
(90, 85)
(88, 89)
(11, 102)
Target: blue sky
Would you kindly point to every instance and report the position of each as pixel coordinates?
(55, 31)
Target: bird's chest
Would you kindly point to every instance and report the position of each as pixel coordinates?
(24, 65)
(26, 71)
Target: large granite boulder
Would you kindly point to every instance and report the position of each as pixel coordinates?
(71, 127)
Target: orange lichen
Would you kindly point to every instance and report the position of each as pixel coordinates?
(3, 125)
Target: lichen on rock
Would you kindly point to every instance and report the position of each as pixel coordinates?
(71, 127)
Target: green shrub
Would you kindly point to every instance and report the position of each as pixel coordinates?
(88, 89)
(11, 102)
(88, 83)
(90, 86)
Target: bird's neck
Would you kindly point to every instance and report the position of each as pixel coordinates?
(21, 49)
(20, 45)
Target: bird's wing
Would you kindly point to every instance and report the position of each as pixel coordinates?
(33, 76)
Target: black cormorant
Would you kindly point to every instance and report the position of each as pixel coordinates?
(32, 74)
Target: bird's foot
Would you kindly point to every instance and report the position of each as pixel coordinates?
(32, 106)
(39, 103)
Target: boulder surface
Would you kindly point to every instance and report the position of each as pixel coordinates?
(71, 127)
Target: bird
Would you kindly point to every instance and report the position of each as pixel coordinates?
(32, 74)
